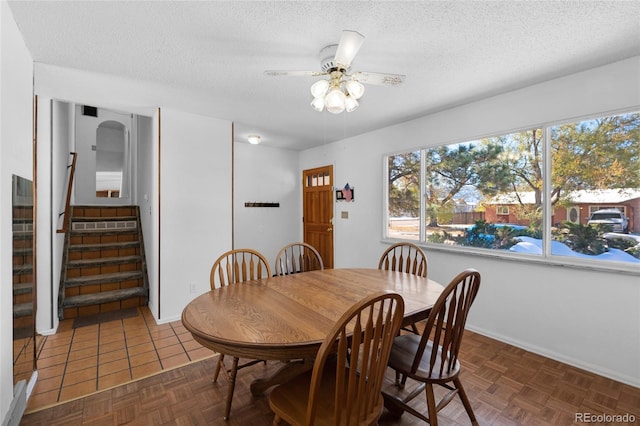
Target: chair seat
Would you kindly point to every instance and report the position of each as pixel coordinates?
(292, 400)
(403, 355)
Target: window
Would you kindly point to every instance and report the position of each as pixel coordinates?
(404, 196)
(528, 192)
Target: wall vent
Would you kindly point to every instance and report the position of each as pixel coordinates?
(89, 111)
(104, 225)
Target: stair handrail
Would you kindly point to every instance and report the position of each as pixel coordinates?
(71, 171)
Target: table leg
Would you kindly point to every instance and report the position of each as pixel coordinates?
(232, 386)
(287, 372)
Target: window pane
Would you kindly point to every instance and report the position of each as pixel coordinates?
(404, 196)
(596, 188)
(486, 193)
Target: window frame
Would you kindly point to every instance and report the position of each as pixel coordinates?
(546, 257)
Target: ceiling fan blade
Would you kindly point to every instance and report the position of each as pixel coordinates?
(379, 78)
(349, 44)
(285, 73)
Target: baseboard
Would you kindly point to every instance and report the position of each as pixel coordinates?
(32, 383)
(166, 320)
(18, 404)
(610, 374)
(47, 332)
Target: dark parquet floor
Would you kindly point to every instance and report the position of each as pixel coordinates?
(506, 386)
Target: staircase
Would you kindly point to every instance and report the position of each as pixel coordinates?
(103, 263)
(23, 271)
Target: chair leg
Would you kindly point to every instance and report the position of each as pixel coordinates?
(277, 420)
(219, 365)
(431, 405)
(232, 386)
(465, 400)
(401, 380)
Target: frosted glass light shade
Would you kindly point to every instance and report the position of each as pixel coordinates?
(355, 89)
(254, 139)
(318, 104)
(319, 88)
(350, 104)
(334, 101)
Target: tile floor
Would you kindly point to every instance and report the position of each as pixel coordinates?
(77, 362)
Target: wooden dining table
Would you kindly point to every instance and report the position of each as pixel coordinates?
(287, 317)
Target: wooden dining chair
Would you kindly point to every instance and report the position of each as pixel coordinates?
(239, 265)
(236, 266)
(345, 384)
(297, 257)
(432, 359)
(405, 257)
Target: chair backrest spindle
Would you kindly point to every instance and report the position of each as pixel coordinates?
(297, 257)
(404, 257)
(237, 266)
(445, 324)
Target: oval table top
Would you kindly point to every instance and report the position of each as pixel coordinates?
(288, 317)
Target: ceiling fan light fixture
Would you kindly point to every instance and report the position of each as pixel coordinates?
(318, 104)
(319, 88)
(351, 104)
(335, 101)
(355, 88)
(342, 89)
(254, 139)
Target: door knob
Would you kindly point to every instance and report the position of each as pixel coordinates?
(329, 229)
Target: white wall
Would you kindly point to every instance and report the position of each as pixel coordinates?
(195, 205)
(60, 146)
(147, 182)
(16, 154)
(585, 318)
(265, 174)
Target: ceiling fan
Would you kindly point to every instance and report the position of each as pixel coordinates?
(341, 91)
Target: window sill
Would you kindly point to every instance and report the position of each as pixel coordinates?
(555, 261)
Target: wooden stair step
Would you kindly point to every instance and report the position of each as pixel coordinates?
(104, 297)
(22, 288)
(22, 309)
(22, 235)
(103, 261)
(102, 218)
(96, 247)
(116, 231)
(22, 251)
(103, 278)
(22, 269)
(102, 238)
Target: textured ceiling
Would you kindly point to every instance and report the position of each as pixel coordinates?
(452, 52)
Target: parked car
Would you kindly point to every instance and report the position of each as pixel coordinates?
(618, 221)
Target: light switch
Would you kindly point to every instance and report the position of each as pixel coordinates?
(344, 215)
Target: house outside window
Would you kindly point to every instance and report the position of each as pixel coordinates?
(524, 193)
